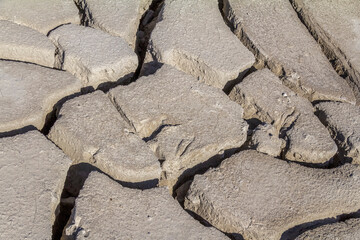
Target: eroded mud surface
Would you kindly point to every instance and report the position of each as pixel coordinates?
(179, 119)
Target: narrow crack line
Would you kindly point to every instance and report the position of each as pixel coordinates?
(229, 19)
(32, 63)
(334, 54)
(84, 12)
(146, 26)
(294, 232)
(121, 112)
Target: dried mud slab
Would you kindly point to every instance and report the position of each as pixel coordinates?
(263, 96)
(32, 175)
(21, 43)
(29, 92)
(343, 120)
(348, 230)
(261, 197)
(94, 56)
(105, 209)
(193, 37)
(90, 129)
(42, 16)
(277, 36)
(265, 139)
(185, 122)
(336, 25)
(117, 17)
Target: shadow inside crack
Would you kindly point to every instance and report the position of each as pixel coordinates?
(75, 180)
(294, 232)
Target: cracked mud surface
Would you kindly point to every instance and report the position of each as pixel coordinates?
(179, 119)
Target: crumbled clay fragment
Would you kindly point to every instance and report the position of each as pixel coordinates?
(32, 175)
(343, 120)
(278, 37)
(262, 96)
(185, 122)
(117, 17)
(21, 43)
(42, 16)
(347, 230)
(192, 36)
(105, 209)
(265, 139)
(29, 92)
(94, 56)
(91, 130)
(261, 197)
(336, 25)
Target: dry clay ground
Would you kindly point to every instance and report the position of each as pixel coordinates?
(179, 119)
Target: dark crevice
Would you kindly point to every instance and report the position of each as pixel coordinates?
(32, 63)
(340, 158)
(51, 117)
(107, 86)
(231, 84)
(76, 176)
(146, 26)
(180, 197)
(335, 55)
(201, 168)
(75, 180)
(48, 34)
(158, 130)
(294, 232)
(84, 12)
(17, 131)
(228, 16)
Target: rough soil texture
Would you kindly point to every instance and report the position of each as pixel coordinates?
(260, 197)
(38, 15)
(347, 230)
(263, 97)
(186, 122)
(32, 176)
(29, 92)
(179, 119)
(91, 130)
(94, 56)
(24, 44)
(187, 36)
(343, 121)
(279, 39)
(337, 27)
(131, 214)
(118, 18)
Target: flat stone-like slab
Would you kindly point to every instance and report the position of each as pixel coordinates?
(42, 16)
(91, 130)
(32, 175)
(262, 96)
(29, 92)
(94, 56)
(193, 37)
(261, 197)
(348, 230)
(187, 121)
(117, 17)
(285, 45)
(336, 26)
(105, 209)
(21, 43)
(343, 120)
